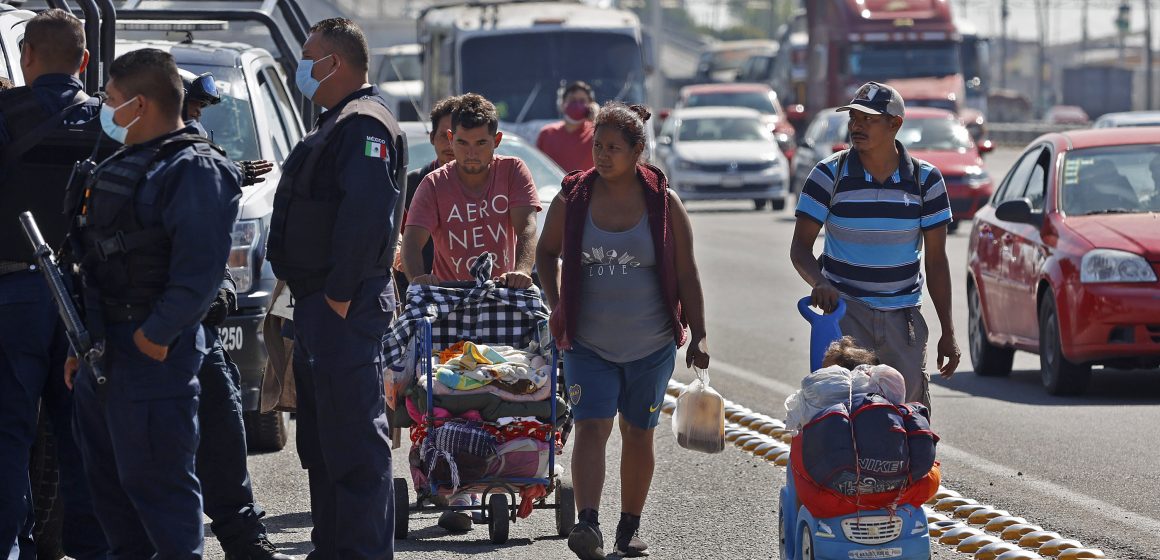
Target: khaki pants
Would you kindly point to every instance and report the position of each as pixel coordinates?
(898, 337)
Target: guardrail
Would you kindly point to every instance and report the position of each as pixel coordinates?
(1020, 134)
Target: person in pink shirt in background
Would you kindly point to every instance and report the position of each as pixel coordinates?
(569, 142)
(479, 202)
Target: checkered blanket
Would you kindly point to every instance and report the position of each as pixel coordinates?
(482, 313)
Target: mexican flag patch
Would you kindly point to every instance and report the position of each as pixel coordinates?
(375, 148)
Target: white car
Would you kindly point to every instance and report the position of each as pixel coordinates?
(1128, 119)
(722, 153)
(400, 78)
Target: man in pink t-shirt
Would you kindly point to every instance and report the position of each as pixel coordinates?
(478, 203)
(569, 142)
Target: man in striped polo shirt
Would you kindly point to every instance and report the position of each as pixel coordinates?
(880, 208)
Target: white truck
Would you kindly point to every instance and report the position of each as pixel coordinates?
(519, 54)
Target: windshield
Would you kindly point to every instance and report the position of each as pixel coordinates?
(934, 134)
(729, 59)
(231, 122)
(546, 174)
(1115, 179)
(891, 61)
(400, 68)
(521, 73)
(727, 129)
(763, 102)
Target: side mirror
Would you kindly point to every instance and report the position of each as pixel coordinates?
(665, 140)
(1019, 211)
(985, 146)
(664, 113)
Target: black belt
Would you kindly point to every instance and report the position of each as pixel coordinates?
(125, 312)
(8, 267)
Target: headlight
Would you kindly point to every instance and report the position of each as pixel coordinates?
(686, 165)
(1110, 265)
(976, 176)
(244, 239)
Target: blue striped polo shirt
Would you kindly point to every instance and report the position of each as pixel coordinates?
(873, 250)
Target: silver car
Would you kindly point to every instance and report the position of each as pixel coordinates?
(722, 153)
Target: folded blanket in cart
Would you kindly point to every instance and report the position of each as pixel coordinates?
(490, 406)
(520, 458)
(468, 366)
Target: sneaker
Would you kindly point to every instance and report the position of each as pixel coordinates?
(628, 541)
(457, 521)
(259, 549)
(586, 541)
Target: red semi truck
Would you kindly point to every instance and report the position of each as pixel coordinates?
(912, 45)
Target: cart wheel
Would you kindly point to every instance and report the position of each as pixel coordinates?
(402, 508)
(498, 518)
(565, 507)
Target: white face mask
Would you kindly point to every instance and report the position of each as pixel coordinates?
(304, 77)
(110, 126)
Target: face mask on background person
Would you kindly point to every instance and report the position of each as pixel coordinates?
(114, 130)
(304, 77)
(575, 111)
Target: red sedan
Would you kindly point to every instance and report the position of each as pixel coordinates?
(938, 137)
(1064, 259)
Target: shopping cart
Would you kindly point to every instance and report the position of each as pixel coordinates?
(436, 317)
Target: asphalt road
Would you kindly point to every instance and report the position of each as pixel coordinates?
(1082, 466)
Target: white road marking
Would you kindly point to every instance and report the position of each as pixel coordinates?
(1047, 489)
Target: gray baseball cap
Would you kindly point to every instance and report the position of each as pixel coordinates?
(877, 99)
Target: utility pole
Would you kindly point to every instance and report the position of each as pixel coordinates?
(1083, 44)
(1149, 69)
(656, 27)
(1003, 13)
(1041, 9)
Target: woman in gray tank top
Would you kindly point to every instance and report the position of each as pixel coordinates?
(628, 287)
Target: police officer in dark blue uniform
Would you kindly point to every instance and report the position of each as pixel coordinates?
(44, 129)
(221, 456)
(152, 236)
(335, 213)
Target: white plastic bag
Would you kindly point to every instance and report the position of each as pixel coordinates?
(699, 419)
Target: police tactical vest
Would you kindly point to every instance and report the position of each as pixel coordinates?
(35, 177)
(306, 203)
(127, 261)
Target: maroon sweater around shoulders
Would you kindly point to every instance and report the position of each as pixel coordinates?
(576, 189)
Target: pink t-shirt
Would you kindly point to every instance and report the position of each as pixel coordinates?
(572, 151)
(464, 225)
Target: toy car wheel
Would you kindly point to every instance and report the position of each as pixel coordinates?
(1060, 376)
(498, 518)
(806, 552)
(989, 360)
(781, 534)
(565, 507)
(402, 507)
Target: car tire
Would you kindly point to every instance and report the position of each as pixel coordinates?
(44, 474)
(266, 432)
(759, 204)
(777, 204)
(1059, 375)
(989, 360)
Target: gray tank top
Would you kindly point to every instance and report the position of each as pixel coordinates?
(623, 317)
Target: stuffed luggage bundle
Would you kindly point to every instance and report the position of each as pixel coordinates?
(866, 453)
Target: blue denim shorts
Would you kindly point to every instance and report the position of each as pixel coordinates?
(598, 388)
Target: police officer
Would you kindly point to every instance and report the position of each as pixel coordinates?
(152, 236)
(221, 455)
(200, 93)
(331, 241)
(45, 127)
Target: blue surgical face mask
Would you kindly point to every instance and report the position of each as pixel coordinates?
(114, 130)
(304, 78)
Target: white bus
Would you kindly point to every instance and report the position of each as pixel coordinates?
(519, 54)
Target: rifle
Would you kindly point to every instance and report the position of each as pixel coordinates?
(78, 336)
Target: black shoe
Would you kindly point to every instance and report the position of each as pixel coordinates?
(586, 541)
(455, 521)
(628, 541)
(259, 549)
